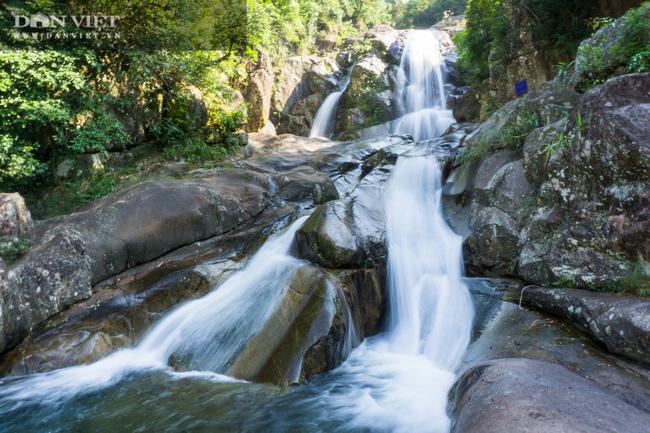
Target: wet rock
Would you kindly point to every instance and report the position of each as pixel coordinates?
(465, 105)
(74, 253)
(328, 238)
(365, 292)
(524, 395)
(15, 218)
(505, 330)
(305, 184)
(100, 326)
(258, 94)
(368, 98)
(386, 42)
(300, 86)
(305, 335)
(620, 322)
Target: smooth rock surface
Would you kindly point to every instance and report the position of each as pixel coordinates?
(620, 322)
(523, 395)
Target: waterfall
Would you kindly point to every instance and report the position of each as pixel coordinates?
(430, 307)
(400, 379)
(204, 334)
(397, 381)
(323, 124)
(419, 89)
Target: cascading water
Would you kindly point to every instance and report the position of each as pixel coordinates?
(403, 376)
(397, 381)
(323, 124)
(419, 90)
(204, 333)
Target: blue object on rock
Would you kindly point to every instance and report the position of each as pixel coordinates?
(521, 87)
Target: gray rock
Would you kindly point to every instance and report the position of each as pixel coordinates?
(15, 218)
(300, 86)
(305, 335)
(328, 238)
(523, 395)
(620, 322)
(505, 330)
(258, 94)
(74, 253)
(492, 246)
(367, 100)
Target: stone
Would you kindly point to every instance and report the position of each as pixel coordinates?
(301, 77)
(258, 94)
(503, 329)
(465, 104)
(15, 218)
(328, 239)
(367, 101)
(524, 395)
(620, 322)
(74, 253)
(305, 335)
(492, 247)
(112, 321)
(196, 111)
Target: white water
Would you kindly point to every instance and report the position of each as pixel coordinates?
(397, 381)
(323, 124)
(400, 380)
(204, 333)
(419, 91)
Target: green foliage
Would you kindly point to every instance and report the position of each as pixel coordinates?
(425, 13)
(636, 282)
(486, 31)
(40, 91)
(195, 150)
(620, 45)
(491, 37)
(558, 145)
(12, 249)
(519, 123)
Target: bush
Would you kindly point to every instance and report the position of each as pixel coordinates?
(621, 45)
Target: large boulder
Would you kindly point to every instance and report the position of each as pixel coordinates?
(524, 395)
(386, 42)
(300, 86)
(15, 218)
(105, 323)
(621, 323)
(328, 239)
(368, 99)
(189, 107)
(72, 254)
(503, 329)
(571, 190)
(258, 94)
(611, 50)
(307, 333)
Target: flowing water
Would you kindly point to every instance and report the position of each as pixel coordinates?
(323, 125)
(397, 381)
(420, 95)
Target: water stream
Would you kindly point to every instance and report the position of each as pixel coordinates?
(397, 381)
(323, 125)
